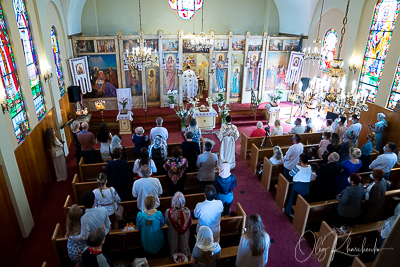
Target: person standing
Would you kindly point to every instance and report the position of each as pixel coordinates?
(356, 127)
(385, 161)
(341, 128)
(140, 140)
(206, 252)
(190, 84)
(176, 167)
(87, 141)
(348, 167)
(195, 130)
(224, 184)
(206, 162)
(190, 151)
(254, 244)
(292, 156)
(378, 129)
(147, 186)
(228, 134)
(159, 130)
(118, 173)
(323, 187)
(73, 227)
(144, 159)
(78, 150)
(104, 137)
(93, 256)
(56, 148)
(158, 152)
(298, 128)
(116, 143)
(366, 151)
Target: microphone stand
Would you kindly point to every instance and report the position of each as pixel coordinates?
(145, 106)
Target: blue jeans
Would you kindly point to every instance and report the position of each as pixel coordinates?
(286, 174)
(386, 175)
(226, 201)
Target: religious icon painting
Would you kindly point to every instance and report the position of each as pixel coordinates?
(291, 45)
(130, 44)
(189, 47)
(170, 72)
(237, 59)
(255, 44)
(153, 83)
(133, 80)
(103, 69)
(220, 74)
(170, 45)
(236, 85)
(106, 46)
(372, 91)
(275, 45)
(151, 43)
(238, 44)
(221, 45)
(277, 65)
(85, 46)
(253, 72)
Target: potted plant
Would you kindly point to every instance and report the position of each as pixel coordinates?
(220, 98)
(275, 98)
(124, 101)
(224, 112)
(171, 97)
(183, 113)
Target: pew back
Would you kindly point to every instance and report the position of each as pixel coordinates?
(282, 191)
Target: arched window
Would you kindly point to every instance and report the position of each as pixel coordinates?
(57, 61)
(395, 92)
(10, 81)
(186, 8)
(382, 26)
(328, 49)
(30, 56)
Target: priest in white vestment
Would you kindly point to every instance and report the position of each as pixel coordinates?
(190, 84)
(228, 134)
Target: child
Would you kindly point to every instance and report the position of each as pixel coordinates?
(324, 144)
(314, 168)
(312, 153)
(93, 255)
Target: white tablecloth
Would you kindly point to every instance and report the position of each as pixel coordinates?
(272, 109)
(210, 113)
(127, 116)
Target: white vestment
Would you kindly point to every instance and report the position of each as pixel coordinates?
(190, 84)
(228, 134)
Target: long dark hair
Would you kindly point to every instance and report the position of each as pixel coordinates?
(144, 156)
(103, 135)
(256, 235)
(49, 139)
(73, 224)
(335, 141)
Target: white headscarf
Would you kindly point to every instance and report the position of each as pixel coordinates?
(381, 117)
(225, 170)
(205, 240)
(115, 142)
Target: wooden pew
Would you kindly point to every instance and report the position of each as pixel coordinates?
(246, 142)
(363, 235)
(131, 210)
(89, 172)
(257, 155)
(358, 263)
(306, 213)
(281, 191)
(231, 231)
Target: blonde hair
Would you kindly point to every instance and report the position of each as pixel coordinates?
(259, 125)
(101, 181)
(139, 130)
(355, 152)
(277, 123)
(73, 224)
(277, 152)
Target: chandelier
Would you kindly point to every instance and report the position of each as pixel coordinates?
(141, 57)
(315, 55)
(350, 102)
(200, 42)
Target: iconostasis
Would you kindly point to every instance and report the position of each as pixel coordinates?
(234, 65)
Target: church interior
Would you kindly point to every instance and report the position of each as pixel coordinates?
(325, 71)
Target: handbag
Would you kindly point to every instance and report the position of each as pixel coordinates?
(140, 262)
(119, 212)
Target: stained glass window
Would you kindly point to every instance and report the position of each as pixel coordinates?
(57, 61)
(328, 49)
(395, 93)
(382, 26)
(186, 8)
(10, 81)
(30, 56)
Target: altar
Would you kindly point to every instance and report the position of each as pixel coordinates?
(125, 122)
(205, 120)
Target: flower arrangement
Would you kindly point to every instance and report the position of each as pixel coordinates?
(220, 97)
(193, 101)
(275, 96)
(224, 112)
(123, 101)
(171, 96)
(183, 113)
(100, 105)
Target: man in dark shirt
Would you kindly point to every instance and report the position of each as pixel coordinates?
(190, 151)
(324, 184)
(119, 175)
(87, 141)
(93, 256)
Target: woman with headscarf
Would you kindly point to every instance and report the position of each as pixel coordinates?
(378, 129)
(195, 130)
(179, 220)
(206, 252)
(158, 152)
(224, 183)
(176, 167)
(116, 143)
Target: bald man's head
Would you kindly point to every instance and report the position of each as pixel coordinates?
(85, 126)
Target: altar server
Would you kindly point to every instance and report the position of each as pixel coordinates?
(228, 134)
(190, 83)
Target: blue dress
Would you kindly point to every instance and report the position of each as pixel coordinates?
(196, 136)
(348, 168)
(76, 249)
(152, 236)
(380, 126)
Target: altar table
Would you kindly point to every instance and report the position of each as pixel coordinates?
(125, 122)
(205, 120)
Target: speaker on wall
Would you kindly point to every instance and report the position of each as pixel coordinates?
(331, 115)
(74, 93)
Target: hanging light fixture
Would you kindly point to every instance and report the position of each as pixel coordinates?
(314, 55)
(141, 57)
(200, 42)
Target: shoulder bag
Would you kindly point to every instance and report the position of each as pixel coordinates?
(119, 212)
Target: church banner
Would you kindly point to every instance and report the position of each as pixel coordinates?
(294, 68)
(80, 73)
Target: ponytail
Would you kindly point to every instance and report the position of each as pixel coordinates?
(101, 181)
